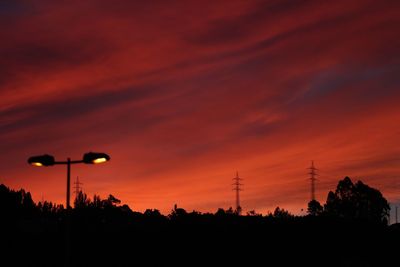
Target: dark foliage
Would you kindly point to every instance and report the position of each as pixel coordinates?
(314, 208)
(357, 202)
(102, 232)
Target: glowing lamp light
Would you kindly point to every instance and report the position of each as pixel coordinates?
(43, 160)
(95, 158)
(99, 160)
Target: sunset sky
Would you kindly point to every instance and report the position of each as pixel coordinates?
(182, 94)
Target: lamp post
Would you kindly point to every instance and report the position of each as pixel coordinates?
(48, 160)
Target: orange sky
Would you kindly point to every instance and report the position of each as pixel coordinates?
(182, 94)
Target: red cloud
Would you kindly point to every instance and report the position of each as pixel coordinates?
(184, 94)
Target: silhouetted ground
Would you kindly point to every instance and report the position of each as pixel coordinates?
(202, 240)
(103, 233)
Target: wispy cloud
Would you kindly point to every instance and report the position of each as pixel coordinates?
(184, 94)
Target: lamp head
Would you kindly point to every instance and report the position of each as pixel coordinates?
(43, 160)
(95, 158)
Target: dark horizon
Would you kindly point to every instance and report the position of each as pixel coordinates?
(81, 197)
(349, 230)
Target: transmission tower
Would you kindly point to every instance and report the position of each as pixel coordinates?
(77, 186)
(313, 174)
(237, 187)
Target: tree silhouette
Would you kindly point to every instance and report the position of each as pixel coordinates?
(253, 213)
(357, 201)
(47, 208)
(111, 201)
(152, 213)
(16, 204)
(314, 208)
(282, 213)
(178, 212)
(81, 201)
(97, 202)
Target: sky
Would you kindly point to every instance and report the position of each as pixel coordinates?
(182, 94)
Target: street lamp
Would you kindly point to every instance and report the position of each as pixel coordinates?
(48, 160)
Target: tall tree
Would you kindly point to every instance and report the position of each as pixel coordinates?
(357, 201)
(81, 201)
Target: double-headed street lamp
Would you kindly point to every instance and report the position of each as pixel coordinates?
(88, 158)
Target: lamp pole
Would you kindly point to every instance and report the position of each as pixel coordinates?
(68, 182)
(68, 219)
(88, 158)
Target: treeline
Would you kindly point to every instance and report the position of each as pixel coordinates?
(351, 201)
(350, 229)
